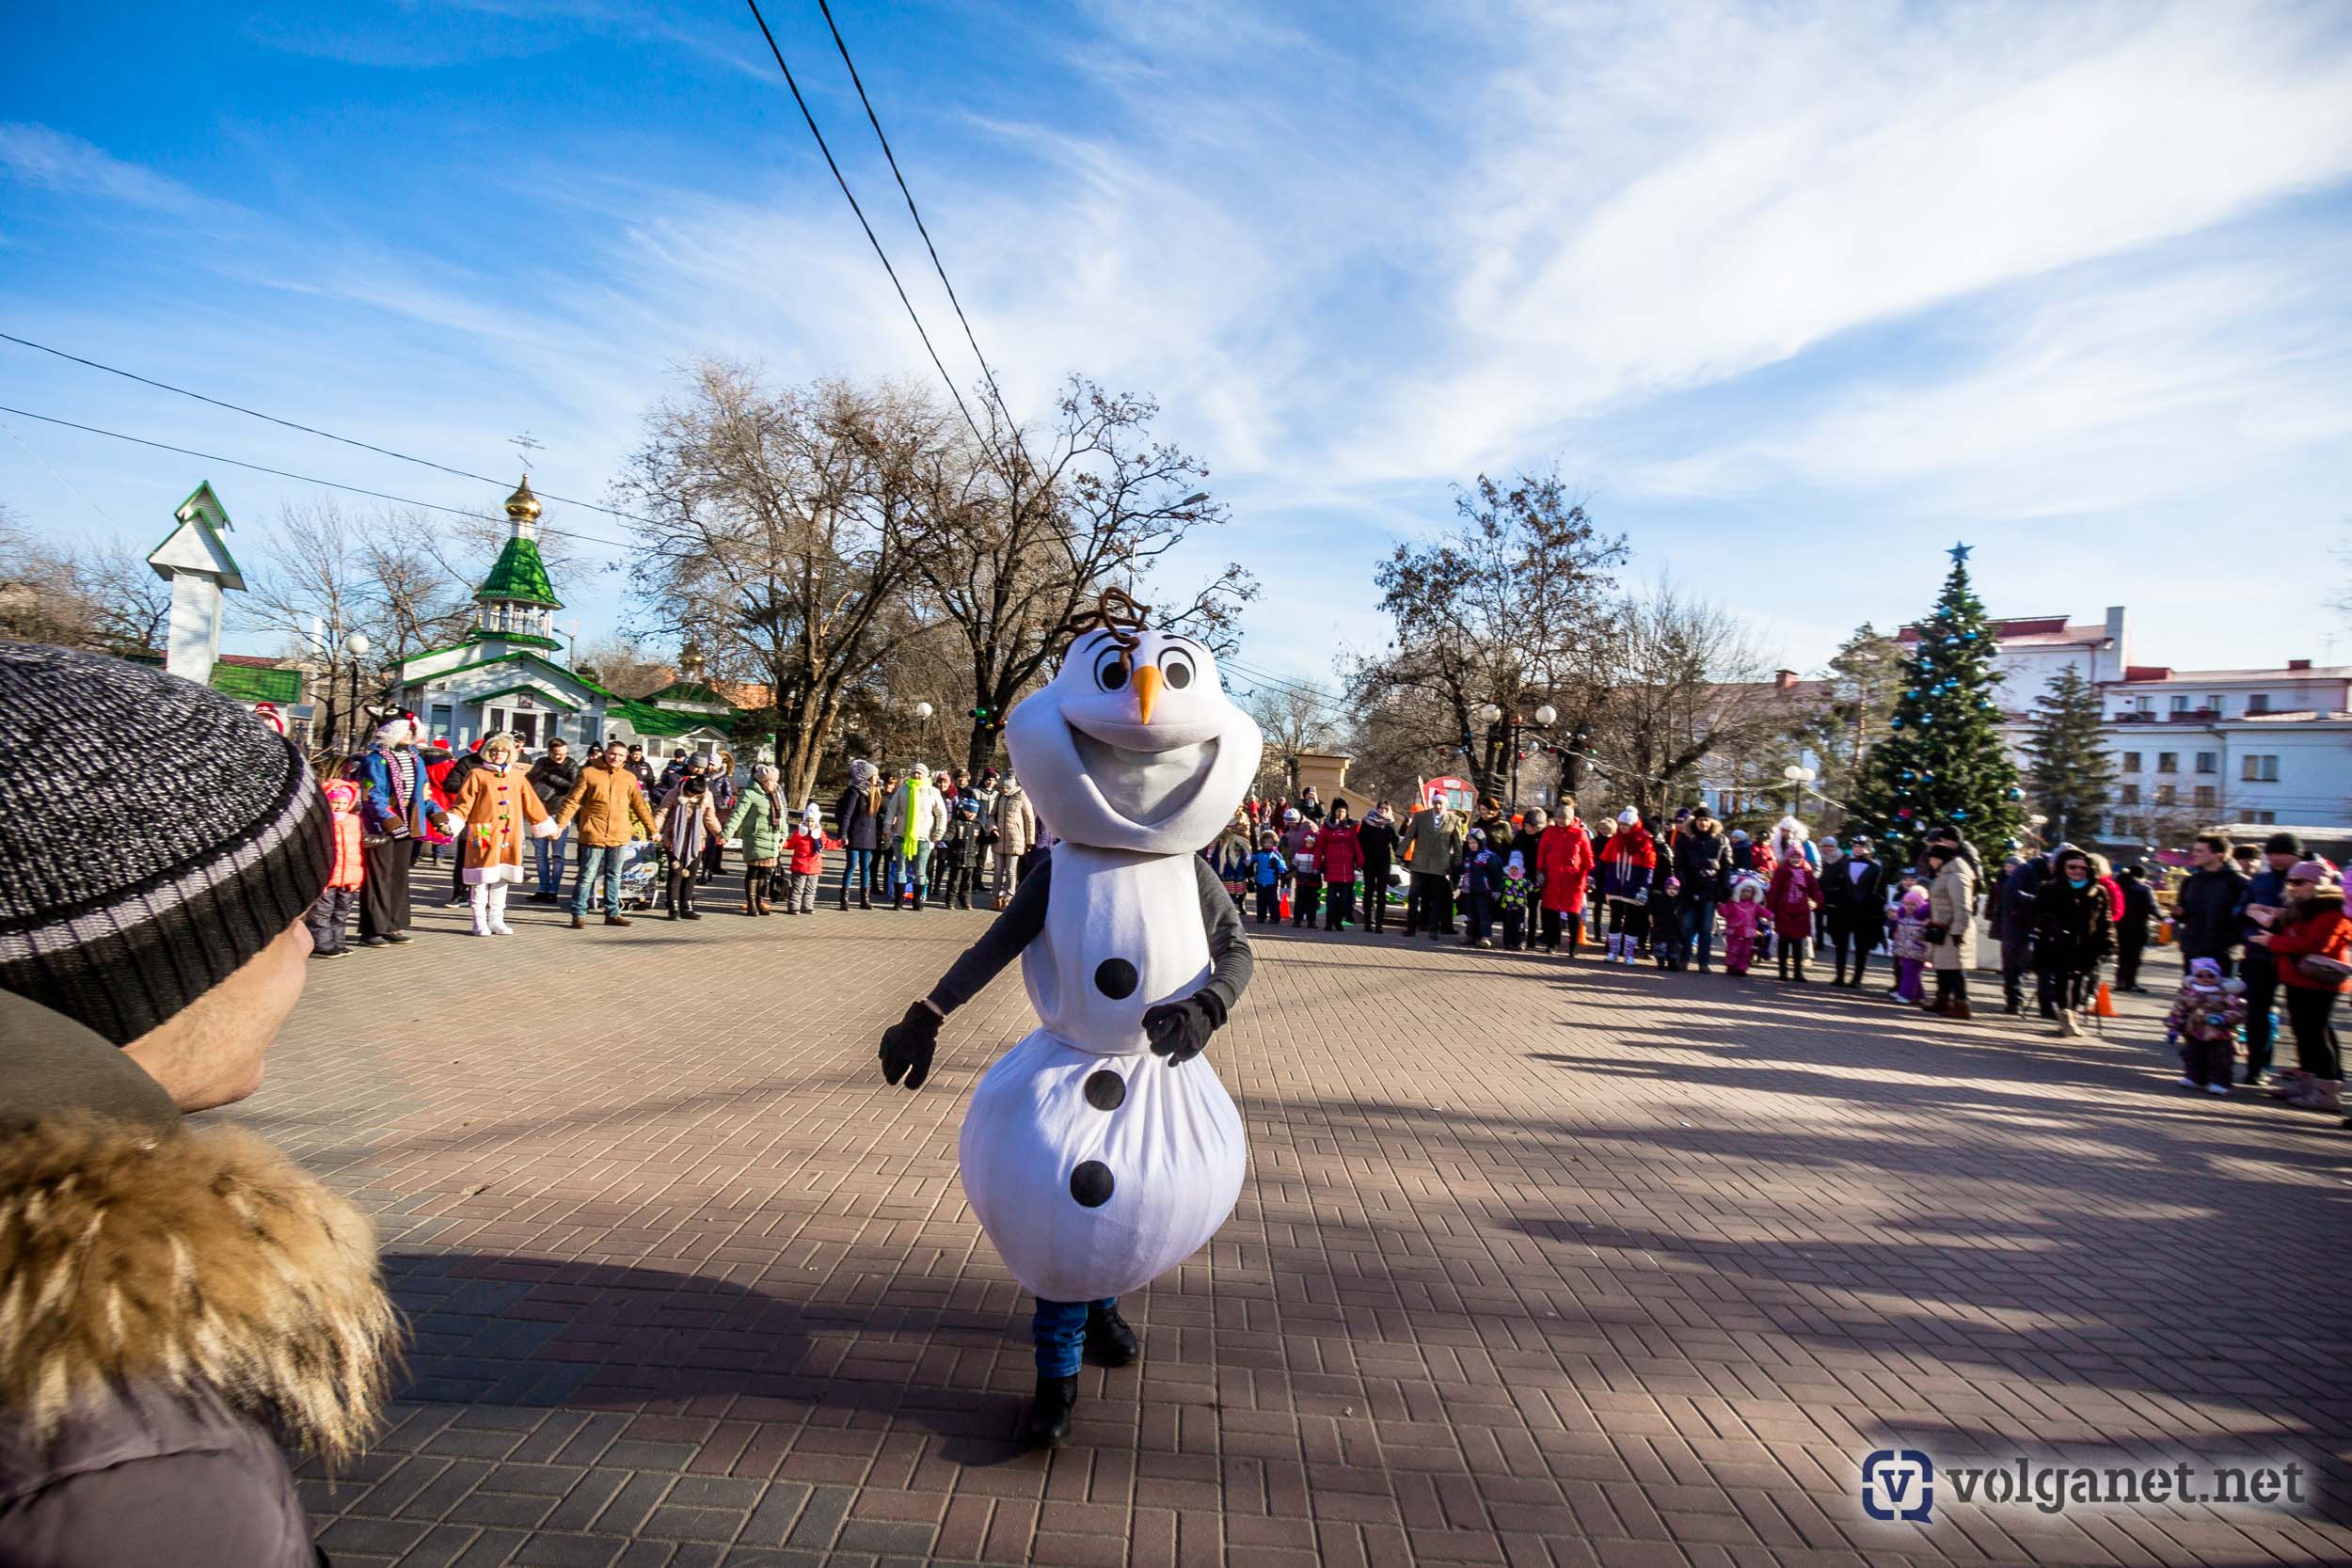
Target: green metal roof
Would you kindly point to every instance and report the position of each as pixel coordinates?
(538, 694)
(520, 576)
(691, 691)
(646, 718)
(249, 684)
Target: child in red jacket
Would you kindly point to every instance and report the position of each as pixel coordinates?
(330, 917)
(806, 848)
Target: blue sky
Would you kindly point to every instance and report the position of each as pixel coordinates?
(1797, 296)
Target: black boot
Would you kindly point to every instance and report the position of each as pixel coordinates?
(1047, 1425)
(1110, 1339)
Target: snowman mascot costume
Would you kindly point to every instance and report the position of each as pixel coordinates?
(1097, 1153)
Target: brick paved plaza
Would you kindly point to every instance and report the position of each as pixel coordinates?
(1537, 1264)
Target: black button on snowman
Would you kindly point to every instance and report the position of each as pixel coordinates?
(1093, 1166)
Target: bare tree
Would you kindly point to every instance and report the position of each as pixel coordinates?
(781, 537)
(102, 597)
(1687, 686)
(1295, 719)
(619, 665)
(1506, 610)
(1014, 555)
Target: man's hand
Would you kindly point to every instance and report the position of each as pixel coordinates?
(1180, 1030)
(907, 1046)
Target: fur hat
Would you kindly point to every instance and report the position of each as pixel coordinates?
(396, 729)
(1630, 817)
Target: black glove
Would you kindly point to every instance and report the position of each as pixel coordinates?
(907, 1046)
(1180, 1030)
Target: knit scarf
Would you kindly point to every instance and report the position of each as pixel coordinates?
(914, 833)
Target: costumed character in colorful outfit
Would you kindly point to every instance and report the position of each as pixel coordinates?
(1094, 1168)
(495, 806)
(398, 811)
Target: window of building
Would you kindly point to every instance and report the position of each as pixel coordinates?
(2168, 796)
(2215, 703)
(2180, 705)
(2168, 762)
(2205, 796)
(2260, 769)
(442, 717)
(2127, 794)
(2267, 818)
(2208, 762)
(2131, 762)
(2141, 704)
(2258, 703)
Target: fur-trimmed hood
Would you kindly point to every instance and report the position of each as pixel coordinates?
(193, 1261)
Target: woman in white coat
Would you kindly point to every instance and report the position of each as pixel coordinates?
(1951, 911)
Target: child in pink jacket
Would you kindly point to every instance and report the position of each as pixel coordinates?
(1743, 917)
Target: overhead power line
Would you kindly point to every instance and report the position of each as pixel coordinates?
(304, 479)
(870, 238)
(923, 229)
(312, 429)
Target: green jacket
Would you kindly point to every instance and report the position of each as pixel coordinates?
(761, 824)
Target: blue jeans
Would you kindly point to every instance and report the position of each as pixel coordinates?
(550, 853)
(906, 874)
(856, 866)
(1059, 1328)
(604, 860)
(1698, 930)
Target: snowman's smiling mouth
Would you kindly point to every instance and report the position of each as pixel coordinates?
(1144, 786)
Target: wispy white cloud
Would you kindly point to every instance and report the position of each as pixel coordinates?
(53, 160)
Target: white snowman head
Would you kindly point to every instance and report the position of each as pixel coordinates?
(1134, 744)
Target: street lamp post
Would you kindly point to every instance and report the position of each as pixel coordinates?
(356, 645)
(1798, 776)
(1491, 715)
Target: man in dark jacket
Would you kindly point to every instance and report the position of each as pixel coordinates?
(2130, 932)
(2011, 916)
(1702, 862)
(2265, 889)
(186, 1296)
(1377, 837)
(2205, 918)
(1854, 905)
(641, 769)
(551, 779)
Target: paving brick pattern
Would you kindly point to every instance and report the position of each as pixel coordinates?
(1538, 1265)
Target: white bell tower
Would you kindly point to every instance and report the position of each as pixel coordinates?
(195, 560)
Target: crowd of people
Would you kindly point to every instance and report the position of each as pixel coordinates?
(2262, 929)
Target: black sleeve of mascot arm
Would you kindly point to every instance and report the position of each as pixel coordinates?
(1232, 962)
(1002, 943)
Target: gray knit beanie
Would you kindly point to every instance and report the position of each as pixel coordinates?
(153, 836)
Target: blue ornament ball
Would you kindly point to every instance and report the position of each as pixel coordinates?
(2013, 844)
(2014, 793)
(1959, 815)
(1896, 722)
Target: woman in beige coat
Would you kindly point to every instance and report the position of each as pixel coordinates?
(1015, 821)
(1951, 908)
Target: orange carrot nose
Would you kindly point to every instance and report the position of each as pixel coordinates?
(1148, 681)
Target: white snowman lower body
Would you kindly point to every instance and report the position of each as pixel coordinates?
(1095, 1174)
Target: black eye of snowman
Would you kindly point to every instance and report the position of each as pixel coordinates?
(1110, 672)
(1176, 668)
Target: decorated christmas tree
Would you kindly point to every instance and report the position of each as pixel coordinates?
(1940, 758)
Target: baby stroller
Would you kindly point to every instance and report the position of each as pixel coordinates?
(641, 875)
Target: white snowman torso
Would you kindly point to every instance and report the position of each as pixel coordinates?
(1093, 1165)
(1123, 933)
